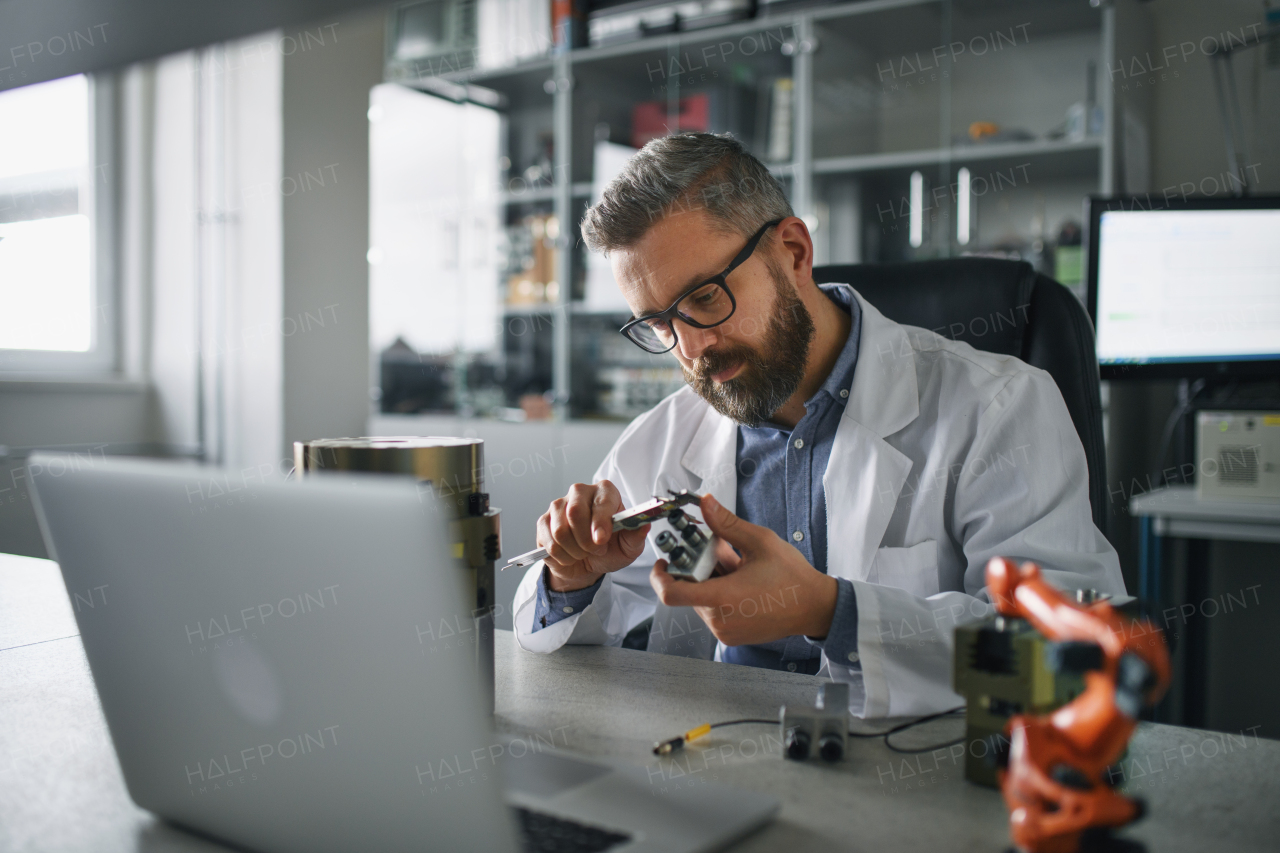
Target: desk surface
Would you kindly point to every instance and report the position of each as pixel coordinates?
(61, 788)
(1182, 502)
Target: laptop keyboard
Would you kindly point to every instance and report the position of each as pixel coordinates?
(542, 833)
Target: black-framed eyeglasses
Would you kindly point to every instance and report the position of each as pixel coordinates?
(703, 306)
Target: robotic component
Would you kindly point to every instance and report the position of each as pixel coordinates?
(1055, 780)
(695, 558)
(1001, 668)
(826, 725)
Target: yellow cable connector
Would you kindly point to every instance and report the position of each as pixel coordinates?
(667, 747)
(694, 734)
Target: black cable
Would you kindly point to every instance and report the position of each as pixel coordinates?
(902, 727)
(668, 746)
(1187, 394)
(747, 720)
(912, 724)
(930, 748)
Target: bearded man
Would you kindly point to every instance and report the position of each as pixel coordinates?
(858, 473)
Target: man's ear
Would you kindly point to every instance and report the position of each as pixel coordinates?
(797, 245)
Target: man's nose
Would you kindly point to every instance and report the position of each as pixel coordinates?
(694, 341)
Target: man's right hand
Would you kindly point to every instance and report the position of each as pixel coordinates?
(577, 531)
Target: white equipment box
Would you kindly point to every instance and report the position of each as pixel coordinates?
(1238, 455)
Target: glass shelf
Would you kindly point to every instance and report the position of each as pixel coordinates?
(961, 154)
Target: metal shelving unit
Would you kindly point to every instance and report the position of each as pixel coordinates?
(871, 146)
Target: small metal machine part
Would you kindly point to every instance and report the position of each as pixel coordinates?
(824, 726)
(454, 469)
(693, 554)
(693, 559)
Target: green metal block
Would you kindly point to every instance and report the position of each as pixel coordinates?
(1000, 669)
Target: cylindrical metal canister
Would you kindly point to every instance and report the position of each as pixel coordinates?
(454, 467)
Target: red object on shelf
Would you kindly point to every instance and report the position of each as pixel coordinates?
(649, 119)
(568, 24)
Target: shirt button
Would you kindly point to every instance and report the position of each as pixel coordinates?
(799, 443)
(798, 535)
(844, 392)
(791, 667)
(853, 657)
(568, 609)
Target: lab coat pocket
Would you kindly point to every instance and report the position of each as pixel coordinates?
(914, 569)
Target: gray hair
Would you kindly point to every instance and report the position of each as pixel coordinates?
(675, 174)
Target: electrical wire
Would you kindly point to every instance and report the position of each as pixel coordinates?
(1187, 394)
(666, 747)
(912, 724)
(929, 748)
(737, 722)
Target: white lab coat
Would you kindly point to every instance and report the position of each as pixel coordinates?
(946, 456)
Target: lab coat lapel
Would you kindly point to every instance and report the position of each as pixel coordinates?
(865, 474)
(712, 457)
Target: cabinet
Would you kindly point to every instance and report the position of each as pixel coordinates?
(901, 130)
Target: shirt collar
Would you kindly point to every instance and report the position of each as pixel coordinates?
(841, 376)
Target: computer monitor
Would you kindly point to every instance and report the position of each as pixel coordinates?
(1185, 287)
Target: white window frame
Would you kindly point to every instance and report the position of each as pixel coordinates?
(102, 359)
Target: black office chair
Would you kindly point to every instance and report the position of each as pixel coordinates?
(1004, 307)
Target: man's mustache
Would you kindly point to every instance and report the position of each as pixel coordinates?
(714, 361)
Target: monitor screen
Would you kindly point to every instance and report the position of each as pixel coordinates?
(1185, 288)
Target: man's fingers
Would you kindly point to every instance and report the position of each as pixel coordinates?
(678, 593)
(729, 527)
(562, 546)
(631, 542)
(726, 557)
(606, 502)
(578, 508)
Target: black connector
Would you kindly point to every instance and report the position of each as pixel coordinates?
(1070, 777)
(693, 537)
(797, 745)
(1075, 656)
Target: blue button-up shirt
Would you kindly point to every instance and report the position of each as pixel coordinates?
(780, 487)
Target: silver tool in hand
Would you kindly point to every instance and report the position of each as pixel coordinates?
(629, 519)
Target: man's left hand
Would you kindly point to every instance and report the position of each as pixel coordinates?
(767, 593)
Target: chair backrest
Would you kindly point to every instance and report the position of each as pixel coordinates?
(1004, 307)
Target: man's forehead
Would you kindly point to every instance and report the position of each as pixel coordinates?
(675, 254)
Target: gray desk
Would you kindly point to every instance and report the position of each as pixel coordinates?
(61, 788)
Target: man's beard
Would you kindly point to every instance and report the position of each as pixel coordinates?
(770, 373)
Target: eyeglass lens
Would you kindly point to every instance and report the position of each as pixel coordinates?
(707, 306)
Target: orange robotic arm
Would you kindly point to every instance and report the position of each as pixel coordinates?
(1056, 782)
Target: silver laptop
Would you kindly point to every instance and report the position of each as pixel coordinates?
(258, 651)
